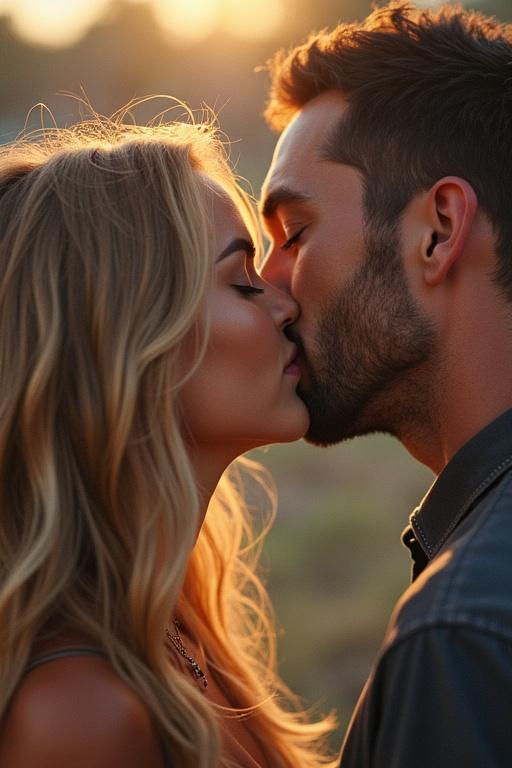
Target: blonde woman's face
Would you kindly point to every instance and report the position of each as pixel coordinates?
(244, 391)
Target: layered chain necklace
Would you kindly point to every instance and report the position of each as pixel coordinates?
(178, 644)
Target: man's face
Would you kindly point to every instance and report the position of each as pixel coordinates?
(364, 342)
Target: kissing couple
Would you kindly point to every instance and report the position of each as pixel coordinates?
(145, 346)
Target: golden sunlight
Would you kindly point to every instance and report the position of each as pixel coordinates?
(251, 19)
(193, 19)
(53, 22)
(63, 22)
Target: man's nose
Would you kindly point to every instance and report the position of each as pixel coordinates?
(276, 270)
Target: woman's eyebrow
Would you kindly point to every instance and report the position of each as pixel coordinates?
(238, 244)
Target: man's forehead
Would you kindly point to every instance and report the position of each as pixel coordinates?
(311, 124)
(301, 143)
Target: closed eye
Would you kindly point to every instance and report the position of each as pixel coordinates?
(293, 239)
(247, 289)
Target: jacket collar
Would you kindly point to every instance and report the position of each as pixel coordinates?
(464, 480)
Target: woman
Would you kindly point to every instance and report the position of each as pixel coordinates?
(140, 354)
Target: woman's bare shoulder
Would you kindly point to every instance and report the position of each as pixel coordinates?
(75, 713)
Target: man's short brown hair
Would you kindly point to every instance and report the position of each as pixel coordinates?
(429, 94)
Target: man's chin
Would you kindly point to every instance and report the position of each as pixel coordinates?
(326, 438)
(325, 432)
(330, 428)
(321, 442)
(334, 419)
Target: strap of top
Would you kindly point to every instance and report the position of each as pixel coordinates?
(62, 653)
(84, 650)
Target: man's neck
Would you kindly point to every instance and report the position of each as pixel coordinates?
(467, 402)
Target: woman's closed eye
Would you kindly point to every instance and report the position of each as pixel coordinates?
(246, 285)
(247, 289)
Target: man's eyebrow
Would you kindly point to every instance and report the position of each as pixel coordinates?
(238, 244)
(281, 196)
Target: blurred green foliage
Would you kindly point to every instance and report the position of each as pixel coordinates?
(334, 559)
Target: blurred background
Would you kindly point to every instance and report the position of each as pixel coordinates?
(334, 560)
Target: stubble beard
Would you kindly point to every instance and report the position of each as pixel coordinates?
(371, 366)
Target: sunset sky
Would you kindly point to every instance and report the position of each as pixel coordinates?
(62, 22)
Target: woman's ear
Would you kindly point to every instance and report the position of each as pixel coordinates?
(452, 204)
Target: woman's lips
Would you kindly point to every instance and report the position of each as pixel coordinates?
(293, 369)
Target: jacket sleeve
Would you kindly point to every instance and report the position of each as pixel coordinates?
(441, 697)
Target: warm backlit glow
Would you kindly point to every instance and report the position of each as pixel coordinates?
(53, 22)
(63, 22)
(191, 19)
(251, 19)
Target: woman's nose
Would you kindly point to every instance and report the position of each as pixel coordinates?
(285, 309)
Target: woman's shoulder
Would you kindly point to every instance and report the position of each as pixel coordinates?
(77, 711)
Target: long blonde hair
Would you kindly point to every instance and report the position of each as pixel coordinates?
(104, 267)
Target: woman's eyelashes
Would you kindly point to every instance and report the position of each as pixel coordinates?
(294, 239)
(247, 289)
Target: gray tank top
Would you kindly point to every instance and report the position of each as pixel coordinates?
(83, 650)
(62, 653)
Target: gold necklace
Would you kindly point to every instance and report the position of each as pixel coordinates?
(178, 644)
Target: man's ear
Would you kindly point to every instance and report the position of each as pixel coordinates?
(452, 205)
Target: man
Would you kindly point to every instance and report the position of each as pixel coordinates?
(389, 210)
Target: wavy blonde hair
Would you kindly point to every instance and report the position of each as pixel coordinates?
(104, 267)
